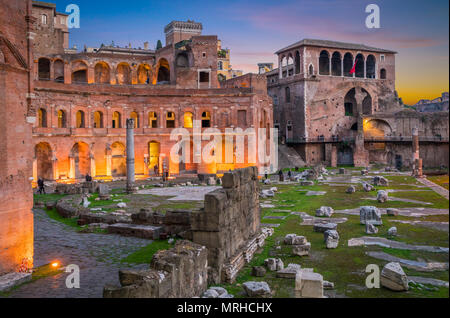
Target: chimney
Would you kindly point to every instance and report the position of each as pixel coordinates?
(145, 45)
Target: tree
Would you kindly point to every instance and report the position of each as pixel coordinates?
(159, 45)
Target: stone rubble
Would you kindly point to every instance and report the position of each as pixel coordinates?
(259, 271)
(290, 272)
(392, 231)
(394, 278)
(257, 289)
(274, 264)
(370, 214)
(325, 211)
(331, 239)
(351, 190)
(382, 196)
(371, 229)
(380, 181)
(323, 227)
(309, 284)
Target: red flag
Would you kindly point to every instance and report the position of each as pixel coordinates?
(353, 70)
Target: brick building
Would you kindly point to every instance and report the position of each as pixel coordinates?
(83, 101)
(331, 115)
(16, 218)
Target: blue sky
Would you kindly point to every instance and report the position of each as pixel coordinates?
(255, 29)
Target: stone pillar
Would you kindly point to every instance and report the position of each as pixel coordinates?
(360, 154)
(342, 67)
(35, 172)
(417, 162)
(71, 167)
(93, 168)
(130, 156)
(55, 168)
(334, 156)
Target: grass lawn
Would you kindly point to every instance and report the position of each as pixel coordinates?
(440, 180)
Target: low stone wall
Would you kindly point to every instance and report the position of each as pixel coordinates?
(229, 224)
(78, 188)
(70, 207)
(175, 222)
(180, 272)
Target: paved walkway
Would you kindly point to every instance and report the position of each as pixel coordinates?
(97, 256)
(436, 188)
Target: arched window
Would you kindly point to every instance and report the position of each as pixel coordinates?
(359, 66)
(163, 72)
(170, 120)
(324, 63)
(98, 120)
(102, 73)
(297, 62)
(44, 69)
(336, 68)
(370, 66)
(116, 120)
(153, 120)
(311, 70)
(348, 64)
(188, 120)
(135, 116)
(383, 73)
(58, 67)
(144, 71)
(79, 72)
(62, 121)
(206, 119)
(44, 19)
(123, 74)
(80, 119)
(288, 94)
(42, 114)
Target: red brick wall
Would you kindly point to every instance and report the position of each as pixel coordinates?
(16, 220)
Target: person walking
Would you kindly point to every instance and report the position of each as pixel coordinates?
(41, 186)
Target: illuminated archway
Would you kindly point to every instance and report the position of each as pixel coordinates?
(144, 73)
(116, 120)
(98, 119)
(163, 74)
(188, 120)
(44, 156)
(123, 74)
(135, 116)
(102, 73)
(82, 160)
(119, 162)
(154, 153)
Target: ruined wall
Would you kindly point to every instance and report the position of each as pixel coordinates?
(181, 272)
(16, 219)
(229, 225)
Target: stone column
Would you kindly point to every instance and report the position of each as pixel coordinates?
(130, 156)
(360, 155)
(35, 172)
(71, 167)
(146, 163)
(417, 162)
(55, 168)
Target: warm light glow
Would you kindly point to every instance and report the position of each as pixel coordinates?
(55, 264)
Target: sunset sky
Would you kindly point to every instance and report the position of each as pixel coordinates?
(418, 30)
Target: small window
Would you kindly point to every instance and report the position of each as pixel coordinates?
(288, 95)
(44, 19)
(170, 120)
(204, 77)
(204, 54)
(206, 120)
(153, 120)
(382, 58)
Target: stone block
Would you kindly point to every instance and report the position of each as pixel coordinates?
(301, 250)
(394, 278)
(142, 231)
(309, 285)
(370, 214)
(323, 227)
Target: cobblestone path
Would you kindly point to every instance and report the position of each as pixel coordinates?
(97, 256)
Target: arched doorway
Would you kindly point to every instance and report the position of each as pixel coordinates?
(44, 156)
(345, 156)
(154, 153)
(336, 66)
(324, 63)
(348, 64)
(82, 160)
(144, 74)
(371, 66)
(188, 120)
(44, 69)
(163, 72)
(123, 74)
(79, 72)
(350, 103)
(119, 161)
(359, 70)
(58, 67)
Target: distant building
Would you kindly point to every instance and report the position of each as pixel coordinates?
(265, 68)
(224, 69)
(436, 105)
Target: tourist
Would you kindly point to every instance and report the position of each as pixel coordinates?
(290, 174)
(88, 178)
(281, 174)
(156, 169)
(41, 186)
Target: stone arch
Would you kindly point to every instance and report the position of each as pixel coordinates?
(79, 72)
(324, 63)
(123, 74)
(42, 118)
(163, 74)
(82, 160)
(383, 73)
(117, 120)
(44, 69)
(371, 66)
(182, 60)
(58, 69)
(62, 118)
(144, 74)
(350, 103)
(359, 69)
(44, 156)
(377, 128)
(188, 120)
(118, 161)
(297, 62)
(102, 73)
(345, 155)
(154, 151)
(80, 119)
(348, 64)
(367, 104)
(336, 65)
(98, 119)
